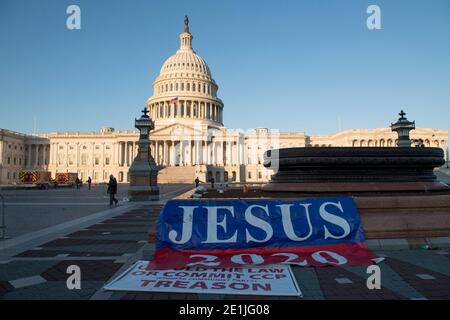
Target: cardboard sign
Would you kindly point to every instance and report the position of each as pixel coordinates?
(235, 233)
(274, 280)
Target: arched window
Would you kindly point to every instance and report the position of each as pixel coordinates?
(182, 86)
(355, 143)
(188, 86)
(193, 87)
(176, 86)
(171, 87)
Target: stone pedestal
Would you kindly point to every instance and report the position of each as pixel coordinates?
(395, 189)
(350, 170)
(143, 171)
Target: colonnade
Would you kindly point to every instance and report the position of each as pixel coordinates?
(194, 152)
(38, 155)
(194, 109)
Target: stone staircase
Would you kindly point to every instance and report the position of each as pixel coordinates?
(177, 174)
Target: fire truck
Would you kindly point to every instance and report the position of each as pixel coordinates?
(35, 179)
(66, 179)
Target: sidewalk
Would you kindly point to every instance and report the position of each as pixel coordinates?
(99, 250)
(106, 248)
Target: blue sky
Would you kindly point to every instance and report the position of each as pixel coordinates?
(288, 65)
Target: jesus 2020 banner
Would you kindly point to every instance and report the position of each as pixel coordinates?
(234, 233)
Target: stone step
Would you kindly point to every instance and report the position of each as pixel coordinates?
(176, 174)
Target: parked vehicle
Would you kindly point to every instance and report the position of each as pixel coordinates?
(35, 179)
(66, 179)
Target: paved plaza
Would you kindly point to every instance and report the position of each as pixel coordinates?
(103, 243)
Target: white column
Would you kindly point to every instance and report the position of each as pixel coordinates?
(172, 153)
(196, 152)
(156, 152)
(127, 154)
(36, 161)
(204, 145)
(116, 153)
(227, 153)
(122, 154)
(29, 155)
(52, 151)
(67, 154)
(130, 155)
(44, 156)
(164, 161)
(130, 152)
(50, 154)
(119, 154)
(189, 143)
(221, 153)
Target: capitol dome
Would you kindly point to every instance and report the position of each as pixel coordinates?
(185, 89)
(185, 61)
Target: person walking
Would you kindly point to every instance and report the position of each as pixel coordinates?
(212, 182)
(112, 190)
(89, 181)
(197, 182)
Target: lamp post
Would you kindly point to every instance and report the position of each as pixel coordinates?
(403, 126)
(143, 171)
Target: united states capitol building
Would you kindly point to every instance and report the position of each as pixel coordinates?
(189, 140)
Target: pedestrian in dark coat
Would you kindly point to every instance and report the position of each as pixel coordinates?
(89, 182)
(197, 182)
(112, 190)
